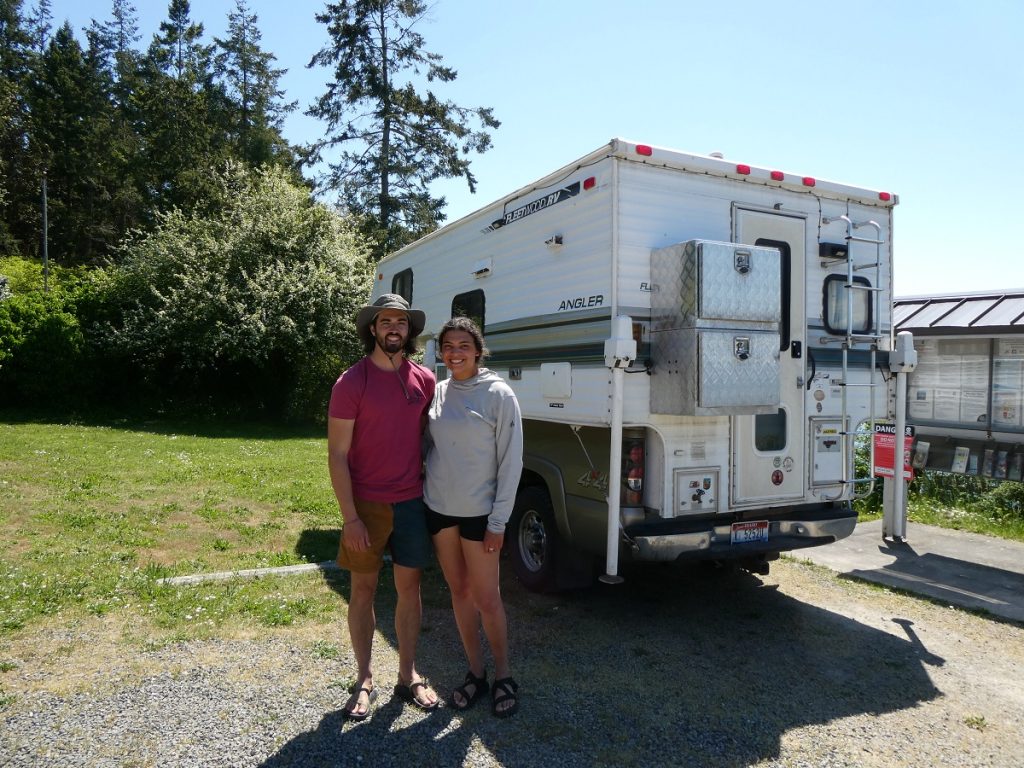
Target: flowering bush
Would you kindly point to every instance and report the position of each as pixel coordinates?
(250, 306)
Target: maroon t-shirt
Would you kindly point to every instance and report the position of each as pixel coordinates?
(384, 460)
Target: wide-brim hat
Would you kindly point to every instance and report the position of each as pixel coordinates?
(366, 315)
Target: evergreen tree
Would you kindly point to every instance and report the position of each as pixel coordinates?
(71, 119)
(20, 176)
(251, 82)
(113, 41)
(112, 53)
(39, 26)
(180, 113)
(394, 140)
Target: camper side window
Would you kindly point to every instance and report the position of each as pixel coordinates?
(471, 305)
(836, 305)
(401, 284)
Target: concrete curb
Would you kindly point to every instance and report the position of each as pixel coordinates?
(250, 573)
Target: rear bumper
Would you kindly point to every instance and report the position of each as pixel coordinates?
(712, 540)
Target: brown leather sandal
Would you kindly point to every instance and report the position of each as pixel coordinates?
(407, 693)
(371, 695)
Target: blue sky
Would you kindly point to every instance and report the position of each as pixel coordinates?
(923, 99)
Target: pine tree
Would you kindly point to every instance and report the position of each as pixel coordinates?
(71, 119)
(181, 121)
(39, 26)
(251, 83)
(394, 140)
(20, 176)
(111, 51)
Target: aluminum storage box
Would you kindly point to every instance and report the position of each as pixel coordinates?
(715, 311)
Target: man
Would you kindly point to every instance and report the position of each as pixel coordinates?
(376, 418)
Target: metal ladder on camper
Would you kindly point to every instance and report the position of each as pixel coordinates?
(862, 486)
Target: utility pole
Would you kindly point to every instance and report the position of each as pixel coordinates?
(46, 258)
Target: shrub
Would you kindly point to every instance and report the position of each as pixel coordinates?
(27, 276)
(40, 349)
(1004, 501)
(250, 307)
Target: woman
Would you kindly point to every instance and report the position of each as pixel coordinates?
(473, 470)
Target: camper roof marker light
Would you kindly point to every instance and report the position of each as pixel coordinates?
(644, 149)
(808, 181)
(885, 197)
(743, 169)
(777, 175)
(590, 182)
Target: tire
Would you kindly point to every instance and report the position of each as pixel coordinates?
(532, 541)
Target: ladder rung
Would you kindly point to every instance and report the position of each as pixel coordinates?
(862, 287)
(860, 384)
(854, 338)
(855, 239)
(867, 265)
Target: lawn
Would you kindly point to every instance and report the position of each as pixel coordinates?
(94, 514)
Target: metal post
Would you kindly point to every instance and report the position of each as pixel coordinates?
(611, 574)
(894, 523)
(902, 361)
(619, 354)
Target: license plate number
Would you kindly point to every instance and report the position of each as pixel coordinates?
(748, 531)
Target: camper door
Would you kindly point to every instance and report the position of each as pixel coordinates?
(768, 450)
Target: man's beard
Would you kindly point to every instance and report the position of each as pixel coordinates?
(391, 345)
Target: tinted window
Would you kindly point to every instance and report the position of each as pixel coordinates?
(770, 431)
(470, 305)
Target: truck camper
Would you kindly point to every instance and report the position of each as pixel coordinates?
(695, 344)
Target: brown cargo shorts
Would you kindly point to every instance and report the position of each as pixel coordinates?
(399, 528)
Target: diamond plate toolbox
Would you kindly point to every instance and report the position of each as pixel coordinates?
(715, 311)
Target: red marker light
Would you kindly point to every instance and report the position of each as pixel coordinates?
(778, 175)
(645, 150)
(380, 275)
(808, 181)
(589, 183)
(744, 169)
(884, 196)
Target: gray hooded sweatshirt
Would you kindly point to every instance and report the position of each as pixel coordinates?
(475, 456)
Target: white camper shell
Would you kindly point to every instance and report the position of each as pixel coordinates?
(694, 343)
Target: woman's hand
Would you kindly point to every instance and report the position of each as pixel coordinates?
(493, 542)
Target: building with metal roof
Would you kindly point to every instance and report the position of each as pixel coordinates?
(989, 312)
(965, 399)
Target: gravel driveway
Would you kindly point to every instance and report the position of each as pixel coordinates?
(678, 666)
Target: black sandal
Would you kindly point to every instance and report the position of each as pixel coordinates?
(505, 690)
(407, 693)
(480, 689)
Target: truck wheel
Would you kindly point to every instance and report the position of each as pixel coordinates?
(532, 540)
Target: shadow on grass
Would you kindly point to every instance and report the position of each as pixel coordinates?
(317, 545)
(676, 666)
(169, 424)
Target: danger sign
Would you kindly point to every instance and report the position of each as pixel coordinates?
(885, 450)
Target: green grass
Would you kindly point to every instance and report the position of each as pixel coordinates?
(963, 503)
(94, 515)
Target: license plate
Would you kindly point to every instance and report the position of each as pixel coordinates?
(748, 531)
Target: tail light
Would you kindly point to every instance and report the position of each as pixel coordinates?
(632, 473)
